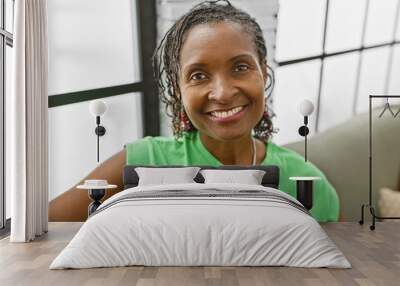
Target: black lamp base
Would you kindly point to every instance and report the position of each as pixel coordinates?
(305, 193)
(96, 195)
(305, 190)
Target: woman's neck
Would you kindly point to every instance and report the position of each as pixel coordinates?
(235, 151)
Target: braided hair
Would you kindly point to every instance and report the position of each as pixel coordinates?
(167, 55)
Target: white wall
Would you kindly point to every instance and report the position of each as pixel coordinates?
(92, 44)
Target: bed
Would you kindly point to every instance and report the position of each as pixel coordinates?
(201, 223)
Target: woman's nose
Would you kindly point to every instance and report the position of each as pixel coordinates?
(222, 90)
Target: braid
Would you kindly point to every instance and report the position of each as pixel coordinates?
(166, 58)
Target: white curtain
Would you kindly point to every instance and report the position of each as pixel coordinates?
(27, 122)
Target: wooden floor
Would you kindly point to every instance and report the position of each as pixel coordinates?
(375, 256)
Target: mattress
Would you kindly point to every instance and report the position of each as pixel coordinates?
(201, 225)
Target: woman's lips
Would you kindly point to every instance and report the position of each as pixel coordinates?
(231, 118)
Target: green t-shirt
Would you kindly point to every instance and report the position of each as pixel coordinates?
(189, 150)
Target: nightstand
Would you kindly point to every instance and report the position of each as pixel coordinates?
(96, 193)
(304, 189)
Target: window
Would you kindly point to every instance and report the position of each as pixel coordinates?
(6, 43)
(335, 44)
(82, 42)
(98, 49)
(303, 78)
(300, 29)
(337, 100)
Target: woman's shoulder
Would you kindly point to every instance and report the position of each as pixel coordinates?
(291, 160)
(159, 140)
(284, 153)
(156, 149)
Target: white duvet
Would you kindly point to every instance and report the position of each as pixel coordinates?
(182, 231)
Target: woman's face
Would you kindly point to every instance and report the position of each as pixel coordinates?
(221, 80)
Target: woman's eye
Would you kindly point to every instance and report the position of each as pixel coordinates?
(241, 67)
(198, 76)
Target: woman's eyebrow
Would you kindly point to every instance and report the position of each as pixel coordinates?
(193, 65)
(242, 56)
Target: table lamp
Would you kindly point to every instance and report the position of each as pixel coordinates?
(98, 108)
(304, 185)
(306, 107)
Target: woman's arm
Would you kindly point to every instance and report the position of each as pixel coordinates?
(73, 204)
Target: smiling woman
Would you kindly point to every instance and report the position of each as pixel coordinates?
(222, 84)
(212, 75)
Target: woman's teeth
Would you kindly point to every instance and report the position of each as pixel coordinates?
(222, 114)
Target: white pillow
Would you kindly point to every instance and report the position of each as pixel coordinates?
(249, 177)
(162, 176)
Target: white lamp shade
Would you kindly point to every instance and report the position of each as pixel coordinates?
(97, 107)
(306, 107)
